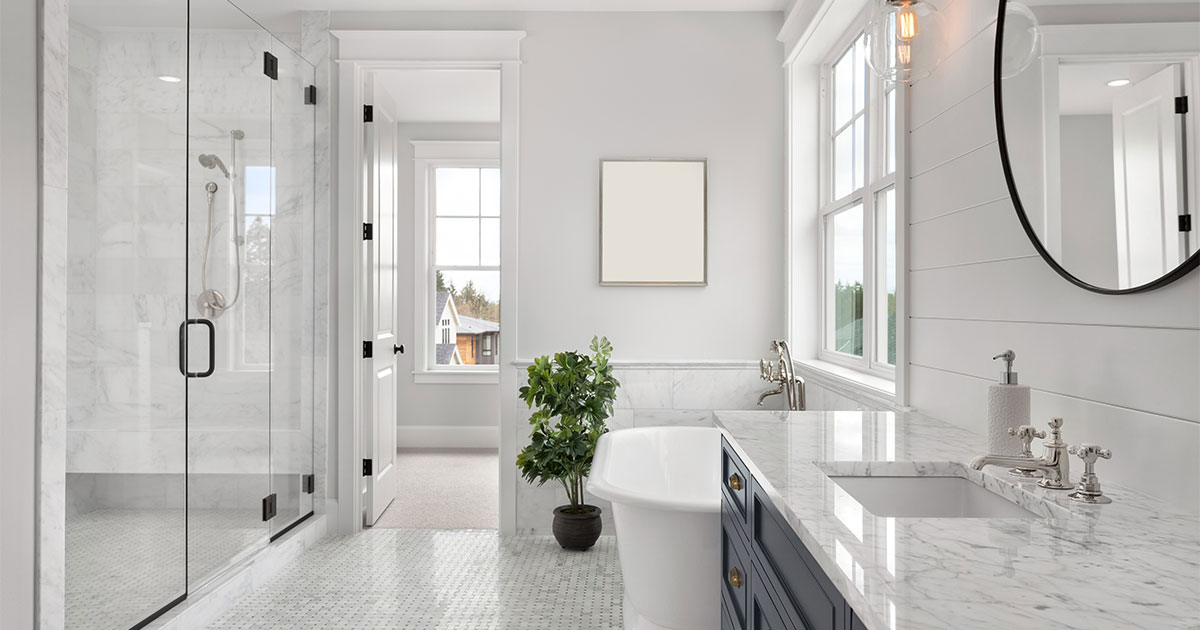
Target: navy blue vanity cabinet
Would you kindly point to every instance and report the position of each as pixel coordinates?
(770, 581)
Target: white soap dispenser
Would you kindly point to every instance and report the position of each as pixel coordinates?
(1008, 407)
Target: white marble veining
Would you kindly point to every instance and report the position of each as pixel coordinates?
(1132, 564)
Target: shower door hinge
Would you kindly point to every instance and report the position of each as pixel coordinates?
(271, 65)
(310, 95)
(269, 507)
(368, 349)
(367, 470)
(368, 113)
(1185, 223)
(368, 232)
(309, 484)
(1181, 105)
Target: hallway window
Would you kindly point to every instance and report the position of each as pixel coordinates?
(465, 217)
(859, 163)
(252, 348)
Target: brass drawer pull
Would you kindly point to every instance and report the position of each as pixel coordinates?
(735, 578)
(735, 482)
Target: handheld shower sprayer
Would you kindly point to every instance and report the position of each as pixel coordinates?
(208, 160)
(211, 302)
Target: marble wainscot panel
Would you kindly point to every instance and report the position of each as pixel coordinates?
(1132, 564)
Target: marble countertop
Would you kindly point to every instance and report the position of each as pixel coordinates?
(1134, 563)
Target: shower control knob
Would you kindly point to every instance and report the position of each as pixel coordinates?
(398, 349)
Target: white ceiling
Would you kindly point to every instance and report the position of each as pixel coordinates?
(1083, 88)
(284, 16)
(253, 6)
(442, 95)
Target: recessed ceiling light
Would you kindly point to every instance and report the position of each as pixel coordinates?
(1118, 83)
(169, 78)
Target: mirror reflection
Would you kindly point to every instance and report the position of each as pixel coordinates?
(1101, 144)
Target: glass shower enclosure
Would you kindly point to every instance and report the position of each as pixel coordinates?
(190, 302)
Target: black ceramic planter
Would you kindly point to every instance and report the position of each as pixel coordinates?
(577, 532)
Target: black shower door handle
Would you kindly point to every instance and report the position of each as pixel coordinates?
(183, 347)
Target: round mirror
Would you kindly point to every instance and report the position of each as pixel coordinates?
(1098, 136)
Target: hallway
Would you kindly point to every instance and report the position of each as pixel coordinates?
(425, 580)
(445, 489)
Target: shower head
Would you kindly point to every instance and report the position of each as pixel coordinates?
(208, 160)
(237, 134)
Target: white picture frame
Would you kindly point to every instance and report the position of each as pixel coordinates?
(654, 222)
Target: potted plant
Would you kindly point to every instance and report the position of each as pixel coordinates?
(571, 396)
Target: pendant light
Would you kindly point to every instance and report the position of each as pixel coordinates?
(906, 40)
(1022, 40)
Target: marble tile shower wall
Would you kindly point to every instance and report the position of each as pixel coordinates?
(130, 284)
(126, 275)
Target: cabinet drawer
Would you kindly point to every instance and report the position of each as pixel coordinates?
(726, 622)
(794, 573)
(764, 613)
(735, 479)
(767, 610)
(736, 571)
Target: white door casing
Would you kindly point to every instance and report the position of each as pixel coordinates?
(1147, 164)
(360, 54)
(379, 262)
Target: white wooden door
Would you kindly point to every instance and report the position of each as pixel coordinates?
(1147, 164)
(379, 258)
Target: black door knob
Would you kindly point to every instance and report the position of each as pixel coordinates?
(398, 349)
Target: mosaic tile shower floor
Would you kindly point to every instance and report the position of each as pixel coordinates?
(124, 564)
(438, 580)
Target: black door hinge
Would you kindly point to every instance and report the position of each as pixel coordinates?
(1185, 223)
(368, 232)
(1181, 105)
(368, 113)
(368, 349)
(310, 95)
(269, 507)
(271, 65)
(309, 484)
(367, 470)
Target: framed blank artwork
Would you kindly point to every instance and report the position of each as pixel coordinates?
(654, 222)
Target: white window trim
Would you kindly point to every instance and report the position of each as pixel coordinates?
(428, 155)
(872, 220)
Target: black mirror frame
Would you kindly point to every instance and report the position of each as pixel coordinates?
(1182, 270)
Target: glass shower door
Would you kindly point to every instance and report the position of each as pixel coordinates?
(125, 458)
(231, 206)
(292, 121)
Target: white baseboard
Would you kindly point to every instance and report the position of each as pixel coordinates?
(447, 437)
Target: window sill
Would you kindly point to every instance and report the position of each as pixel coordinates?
(460, 377)
(873, 387)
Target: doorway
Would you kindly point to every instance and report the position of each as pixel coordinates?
(428, 405)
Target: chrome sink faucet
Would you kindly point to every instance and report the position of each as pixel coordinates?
(1054, 464)
(782, 372)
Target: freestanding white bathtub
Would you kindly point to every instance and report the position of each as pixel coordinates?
(664, 485)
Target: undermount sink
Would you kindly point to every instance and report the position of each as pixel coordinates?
(928, 497)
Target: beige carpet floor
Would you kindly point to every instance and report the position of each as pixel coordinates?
(445, 489)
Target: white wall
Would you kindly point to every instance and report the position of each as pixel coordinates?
(1089, 225)
(426, 405)
(596, 85)
(19, 312)
(1124, 371)
(643, 85)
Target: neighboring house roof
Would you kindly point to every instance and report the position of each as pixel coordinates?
(440, 307)
(475, 326)
(447, 354)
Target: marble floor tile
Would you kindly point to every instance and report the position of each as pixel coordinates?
(426, 580)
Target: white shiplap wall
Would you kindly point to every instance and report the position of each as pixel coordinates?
(1124, 371)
